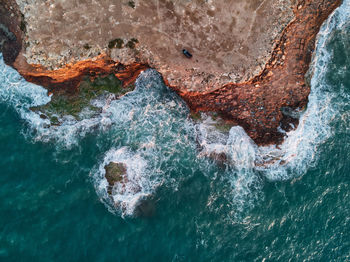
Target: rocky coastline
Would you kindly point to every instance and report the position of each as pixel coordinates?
(273, 98)
(262, 105)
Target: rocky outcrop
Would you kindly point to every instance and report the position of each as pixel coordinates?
(260, 105)
(70, 76)
(115, 173)
(231, 41)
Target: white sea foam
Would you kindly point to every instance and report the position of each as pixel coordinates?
(152, 127)
(241, 155)
(137, 185)
(299, 150)
(21, 95)
(148, 122)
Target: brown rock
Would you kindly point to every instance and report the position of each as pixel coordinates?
(115, 173)
(277, 86)
(11, 30)
(70, 76)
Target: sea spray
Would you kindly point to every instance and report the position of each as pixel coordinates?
(152, 136)
(149, 130)
(21, 95)
(138, 185)
(298, 152)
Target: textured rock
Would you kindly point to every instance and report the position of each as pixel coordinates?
(12, 27)
(230, 40)
(259, 104)
(70, 76)
(115, 173)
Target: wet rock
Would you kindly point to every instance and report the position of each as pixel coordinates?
(281, 83)
(220, 158)
(74, 103)
(115, 173)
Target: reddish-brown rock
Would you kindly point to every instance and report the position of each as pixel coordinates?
(255, 105)
(70, 76)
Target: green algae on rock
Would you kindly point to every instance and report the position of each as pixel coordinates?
(195, 116)
(223, 126)
(64, 103)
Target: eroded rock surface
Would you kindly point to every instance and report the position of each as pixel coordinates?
(250, 71)
(231, 41)
(260, 104)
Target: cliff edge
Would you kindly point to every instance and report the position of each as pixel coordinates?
(249, 59)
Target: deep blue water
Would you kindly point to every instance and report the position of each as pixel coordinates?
(53, 199)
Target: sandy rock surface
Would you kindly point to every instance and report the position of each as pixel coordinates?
(231, 41)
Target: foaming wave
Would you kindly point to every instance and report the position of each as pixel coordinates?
(239, 154)
(152, 136)
(247, 163)
(145, 124)
(21, 95)
(137, 185)
(244, 160)
(299, 151)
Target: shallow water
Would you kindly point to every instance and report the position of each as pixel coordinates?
(54, 203)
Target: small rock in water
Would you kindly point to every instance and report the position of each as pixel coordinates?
(115, 173)
(219, 158)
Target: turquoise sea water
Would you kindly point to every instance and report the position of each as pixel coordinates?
(53, 199)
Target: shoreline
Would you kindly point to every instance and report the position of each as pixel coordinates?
(261, 105)
(258, 104)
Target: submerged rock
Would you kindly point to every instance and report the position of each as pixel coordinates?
(145, 207)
